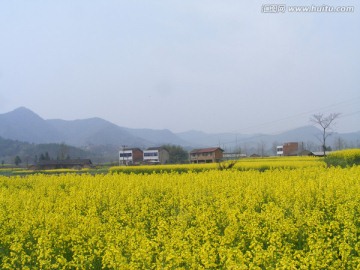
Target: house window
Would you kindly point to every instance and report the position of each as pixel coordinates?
(151, 154)
(125, 155)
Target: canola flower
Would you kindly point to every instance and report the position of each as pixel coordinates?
(347, 153)
(343, 158)
(291, 162)
(305, 218)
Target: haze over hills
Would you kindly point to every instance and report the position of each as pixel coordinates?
(24, 125)
(94, 131)
(309, 135)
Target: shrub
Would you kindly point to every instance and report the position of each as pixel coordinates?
(343, 158)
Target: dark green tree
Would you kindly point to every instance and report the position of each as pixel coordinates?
(63, 151)
(45, 156)
(176, 154)
(17, 160)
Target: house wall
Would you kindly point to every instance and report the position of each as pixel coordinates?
(290, 149)
(164, 156)
(202, 157)
(156, 155)
(218, 155)
(125, 156)
(214, 156)
(130, 156)
(137, 156)
(151, 155)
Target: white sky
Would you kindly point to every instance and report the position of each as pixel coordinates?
(214, 66)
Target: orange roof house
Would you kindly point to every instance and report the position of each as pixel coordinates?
(206, 155)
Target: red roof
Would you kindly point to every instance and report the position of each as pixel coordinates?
(206, 150)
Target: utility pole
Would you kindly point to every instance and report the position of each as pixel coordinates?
(123, 150)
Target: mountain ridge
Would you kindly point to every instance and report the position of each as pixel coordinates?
(24, 125)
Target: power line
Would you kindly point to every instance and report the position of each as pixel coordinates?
(327, 107)
(348, 114)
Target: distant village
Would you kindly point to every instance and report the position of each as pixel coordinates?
(160, 155)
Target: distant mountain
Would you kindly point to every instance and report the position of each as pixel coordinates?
(95, 131)
(103, 137)
(24, 125)
(308, 135)
(301, 134)
(158, 137)
(313, 135)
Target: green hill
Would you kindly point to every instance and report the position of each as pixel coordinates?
(29, 153)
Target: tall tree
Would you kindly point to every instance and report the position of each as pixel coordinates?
(339, 143)
(17, 160)
(63, 151)
(261, 148)
(326, 123)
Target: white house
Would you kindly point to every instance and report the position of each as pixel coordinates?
(130, 156)
(156, 155)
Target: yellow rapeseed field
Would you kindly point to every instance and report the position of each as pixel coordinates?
(347, 153)
(299, 218)
(343, 158)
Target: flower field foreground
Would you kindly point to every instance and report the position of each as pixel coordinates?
(306, 218)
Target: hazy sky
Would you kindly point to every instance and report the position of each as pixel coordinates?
(215, 66)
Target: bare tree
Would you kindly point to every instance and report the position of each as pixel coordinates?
(261, 148)
(325, 122)
(310, 146)
(339, 143)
